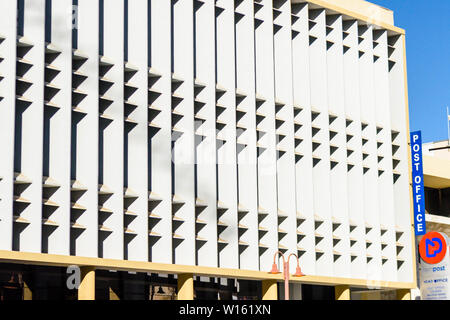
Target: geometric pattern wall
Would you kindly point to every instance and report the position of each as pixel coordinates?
(202, 132)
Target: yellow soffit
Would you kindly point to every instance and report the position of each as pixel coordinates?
(360, 10)
(436, 172)
(142, 266)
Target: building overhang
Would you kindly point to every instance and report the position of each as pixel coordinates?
(436, 172)
(438, 223)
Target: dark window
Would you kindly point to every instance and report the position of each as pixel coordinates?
(312, 292)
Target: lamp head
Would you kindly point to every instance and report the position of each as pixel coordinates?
(298, 272)
(274, 269)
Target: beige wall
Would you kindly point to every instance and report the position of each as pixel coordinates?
(436, 172)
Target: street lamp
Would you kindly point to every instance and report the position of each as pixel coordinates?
(298, 271)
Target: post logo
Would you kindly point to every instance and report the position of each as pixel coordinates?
(432, 247)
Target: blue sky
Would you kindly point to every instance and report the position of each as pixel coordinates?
(427, 25)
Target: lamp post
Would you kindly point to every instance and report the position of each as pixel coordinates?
(298, 271)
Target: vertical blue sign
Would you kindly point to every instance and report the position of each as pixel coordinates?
(417, 183)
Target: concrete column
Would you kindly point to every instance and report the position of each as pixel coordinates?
(160, 178)
(338, 148)
(387, 209)
(27, 292)
(31, 155)
(8, 25)
(59, 131)
(226, 151)
(113, 294)
(186, 286)
(137, 245)
(85, 168)
(342, 292)
(206, 158)
(183, 159)
(247, 137)
(267, 174)
(111, 237)
(269, 290)
(303, 139)
(86, 291)
(404, 294)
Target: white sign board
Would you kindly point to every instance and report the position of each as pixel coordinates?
(435, 278)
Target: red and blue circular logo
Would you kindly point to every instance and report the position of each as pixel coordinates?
(432, 247)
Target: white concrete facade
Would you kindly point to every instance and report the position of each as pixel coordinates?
(204, 132)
